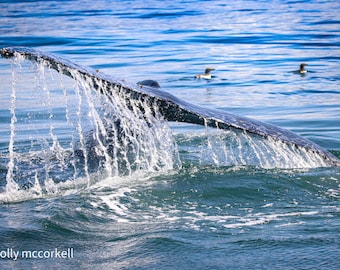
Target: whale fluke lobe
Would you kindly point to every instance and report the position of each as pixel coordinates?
(171, 107)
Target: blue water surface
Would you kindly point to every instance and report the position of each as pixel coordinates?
(200, 215)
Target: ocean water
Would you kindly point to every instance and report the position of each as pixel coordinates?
(180, 201)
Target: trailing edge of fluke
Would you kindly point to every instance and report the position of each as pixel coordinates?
(171, 107)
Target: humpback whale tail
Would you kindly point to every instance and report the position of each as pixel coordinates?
(171, 107)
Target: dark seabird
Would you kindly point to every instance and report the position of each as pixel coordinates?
(206, 75)
(302, 68)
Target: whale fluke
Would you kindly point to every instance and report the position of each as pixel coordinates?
(171, 107)
(150, 83)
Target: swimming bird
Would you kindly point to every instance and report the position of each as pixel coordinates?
(302, 68)
(206, 74)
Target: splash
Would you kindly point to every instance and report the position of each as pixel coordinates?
(63, 133)
(70, 132)
(234, 148)
(237, 148)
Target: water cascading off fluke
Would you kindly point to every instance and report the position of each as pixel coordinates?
(64, 131)
(117, 128)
